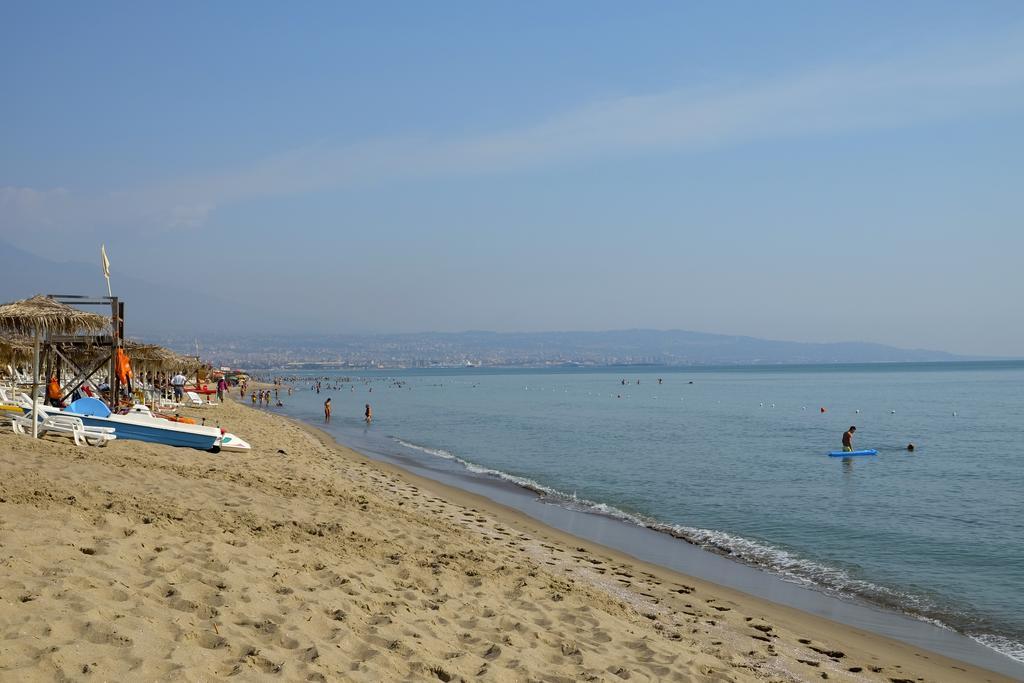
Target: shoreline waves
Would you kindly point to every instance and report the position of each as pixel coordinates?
(832, 581)
(305, 560)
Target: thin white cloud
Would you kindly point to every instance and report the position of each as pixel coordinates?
(976, 79)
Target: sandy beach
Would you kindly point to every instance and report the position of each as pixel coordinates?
(304, 560)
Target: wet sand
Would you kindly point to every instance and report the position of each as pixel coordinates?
(304, 560)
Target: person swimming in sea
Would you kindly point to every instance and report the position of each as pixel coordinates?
(910, 447)
(848, 439)
(368, 414)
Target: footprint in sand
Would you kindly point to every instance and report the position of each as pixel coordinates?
(209, 641)
(101, 634)
(264, 664)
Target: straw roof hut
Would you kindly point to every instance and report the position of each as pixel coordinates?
(186, 363)
(149, 355)
(41, 314)
(15, 348)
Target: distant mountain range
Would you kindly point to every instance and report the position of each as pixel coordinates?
(664, 347)
(164, 310)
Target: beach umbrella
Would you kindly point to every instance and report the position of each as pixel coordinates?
(146, 354)
(15, 348)
(43, 315)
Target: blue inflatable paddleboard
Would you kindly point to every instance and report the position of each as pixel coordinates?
(843, 454)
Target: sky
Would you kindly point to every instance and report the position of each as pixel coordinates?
(843, 171)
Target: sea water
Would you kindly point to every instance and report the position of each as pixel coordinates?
(735, 460)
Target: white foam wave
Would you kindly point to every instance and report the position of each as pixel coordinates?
(439, 452)
(480, 469)
(789, 566)
(1007, 646)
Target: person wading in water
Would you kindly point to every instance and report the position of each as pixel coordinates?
(848, 439)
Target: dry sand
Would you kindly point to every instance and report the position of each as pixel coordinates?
(303, 560)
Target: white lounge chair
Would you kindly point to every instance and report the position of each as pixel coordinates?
(193, 400)
(20, 377)
(25, 402)
(66, 425)
(17, 376)
(167, 404)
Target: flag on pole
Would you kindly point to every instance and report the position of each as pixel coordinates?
(106, 266)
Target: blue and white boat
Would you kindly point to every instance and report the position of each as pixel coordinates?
(143, 426)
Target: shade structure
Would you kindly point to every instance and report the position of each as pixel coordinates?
(150, 355)
(15, 348)
(187, 363)
(42, 315)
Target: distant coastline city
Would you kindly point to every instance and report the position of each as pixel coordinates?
(671, 348)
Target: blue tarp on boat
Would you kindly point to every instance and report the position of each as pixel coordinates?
(89, 406)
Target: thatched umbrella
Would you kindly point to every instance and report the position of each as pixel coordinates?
(148, 355)
(14, 348)
(39, 315)
(189, 364)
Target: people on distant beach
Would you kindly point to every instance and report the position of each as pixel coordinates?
(848, 439)
(368, 414)
(254, 398)
(327, 410)
(222, 387)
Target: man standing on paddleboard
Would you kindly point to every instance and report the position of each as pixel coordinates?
(848, 439)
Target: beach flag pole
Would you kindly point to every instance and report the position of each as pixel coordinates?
(35, 384)
(106, 267)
